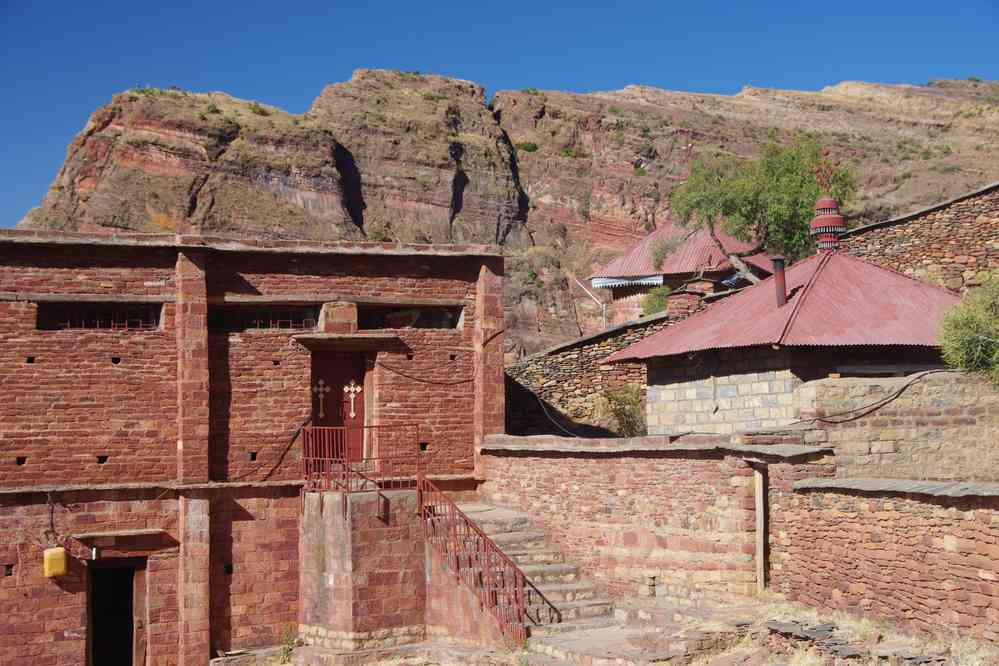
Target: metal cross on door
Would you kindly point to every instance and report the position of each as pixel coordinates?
(337, 396)
(351, 390)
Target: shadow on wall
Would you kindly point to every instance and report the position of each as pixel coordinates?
(527, 414)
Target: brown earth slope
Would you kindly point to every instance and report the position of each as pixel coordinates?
(394, 155)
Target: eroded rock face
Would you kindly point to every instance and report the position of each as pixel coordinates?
(410, 157)
(385, 155)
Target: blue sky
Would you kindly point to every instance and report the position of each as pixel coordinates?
(61, 60)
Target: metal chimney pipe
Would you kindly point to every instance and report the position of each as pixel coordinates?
(779, 283)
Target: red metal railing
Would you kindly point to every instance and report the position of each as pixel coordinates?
(353, 460)
(479, 564)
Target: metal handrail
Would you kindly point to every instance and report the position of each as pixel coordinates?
(478, 563)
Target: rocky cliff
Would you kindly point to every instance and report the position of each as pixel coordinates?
(406, 156)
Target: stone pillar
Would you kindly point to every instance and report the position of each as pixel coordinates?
(192, 368)
(490, 390)
(362, 582)
(193, 589)
(340, 317)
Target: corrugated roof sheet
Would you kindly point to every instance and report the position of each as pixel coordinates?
(696, 253)
(835, 299)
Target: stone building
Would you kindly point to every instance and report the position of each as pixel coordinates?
(690, 264)
(154, 389)
(735, 365)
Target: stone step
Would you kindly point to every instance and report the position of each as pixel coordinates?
(520, 541)
(582, 624)
(496, 520)
(570, 611)
(551, 573)
(538, 556)
(557, 592)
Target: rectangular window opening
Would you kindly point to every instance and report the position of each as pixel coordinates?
(236, 318)
(408, 316)
(58, 316)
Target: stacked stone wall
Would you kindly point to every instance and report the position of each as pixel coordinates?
(687, 518)
(573, 378)
(935, 426)
(952, 246)
(929, 563)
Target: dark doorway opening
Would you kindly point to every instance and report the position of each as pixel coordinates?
(112, 593)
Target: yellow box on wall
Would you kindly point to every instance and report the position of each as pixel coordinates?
(55, 562)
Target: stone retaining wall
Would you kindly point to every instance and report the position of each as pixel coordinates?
(630, 508)
(925, 561)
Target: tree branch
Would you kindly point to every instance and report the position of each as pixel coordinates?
(735, 258)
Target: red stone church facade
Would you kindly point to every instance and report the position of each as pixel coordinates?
(153, 389)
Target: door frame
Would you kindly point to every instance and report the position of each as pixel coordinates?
(140, 605)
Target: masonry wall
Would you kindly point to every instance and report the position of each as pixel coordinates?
(951, 247)
(929, 563)
(936, 426)
(735, 390)
(254, 566)
(686, 517)
(721, 392)
(45, 620)
(362, 579)
(454, 613)
(572, 378)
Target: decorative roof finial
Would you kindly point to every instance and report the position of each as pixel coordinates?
(827, 225)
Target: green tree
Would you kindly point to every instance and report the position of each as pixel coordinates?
(969, 334)
(768, 202)
(655, 301)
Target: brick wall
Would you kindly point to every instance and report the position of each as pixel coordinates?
(686, 517)
(930, 563)
(71, 403)
(943, 426)
(255, 530)
(950, 246)
(45, 620)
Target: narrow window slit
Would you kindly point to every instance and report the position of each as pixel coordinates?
(253, 455)
(101, 460)
(8, 570)
(30, 359)
(20, 460)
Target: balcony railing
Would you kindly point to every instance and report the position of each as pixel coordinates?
(359, 459)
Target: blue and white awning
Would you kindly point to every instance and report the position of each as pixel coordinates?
(610, 283)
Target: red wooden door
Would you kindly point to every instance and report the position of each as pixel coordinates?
(338, 396)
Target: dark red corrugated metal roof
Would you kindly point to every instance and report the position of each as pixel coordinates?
(696, 253)
(835, 300)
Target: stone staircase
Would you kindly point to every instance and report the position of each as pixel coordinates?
(560, 582)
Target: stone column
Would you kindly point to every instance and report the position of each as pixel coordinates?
(490, 390)
(193, 589)
(192, 368)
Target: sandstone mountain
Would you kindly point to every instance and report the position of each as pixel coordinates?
(568, 177)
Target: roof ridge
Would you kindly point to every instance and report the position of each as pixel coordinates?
(800, 301)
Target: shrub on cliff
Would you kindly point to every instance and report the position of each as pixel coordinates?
(527, 147)
(627, 407)
(655, 300)
(969, 334)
